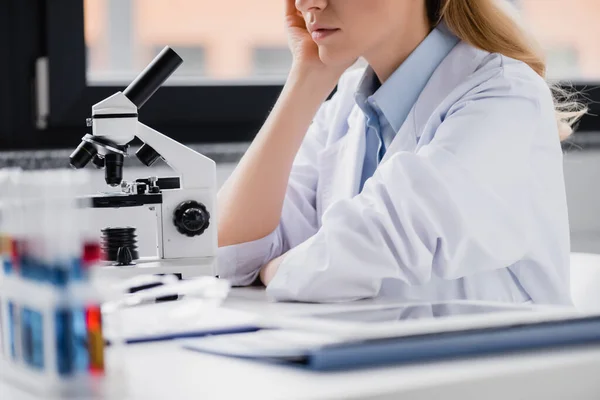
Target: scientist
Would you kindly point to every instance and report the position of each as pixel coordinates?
(433, 174)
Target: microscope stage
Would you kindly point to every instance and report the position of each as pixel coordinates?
(185, 268)
(127, 200)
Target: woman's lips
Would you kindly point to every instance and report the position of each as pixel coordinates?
(319, 35)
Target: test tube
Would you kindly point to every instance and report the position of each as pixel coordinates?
(8, 215)
(5, 265)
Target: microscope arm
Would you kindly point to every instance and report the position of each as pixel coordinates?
(196, 171)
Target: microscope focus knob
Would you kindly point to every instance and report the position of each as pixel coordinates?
(191, 218)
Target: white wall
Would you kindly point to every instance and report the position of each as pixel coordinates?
(582, 178)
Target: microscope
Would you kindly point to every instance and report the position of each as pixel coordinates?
(184, 206)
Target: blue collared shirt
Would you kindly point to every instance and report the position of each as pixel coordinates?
(387, 106)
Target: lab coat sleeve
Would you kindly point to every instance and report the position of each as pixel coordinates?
(241, 263)
(454, 208)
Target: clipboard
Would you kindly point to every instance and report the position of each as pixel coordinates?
(329, 350)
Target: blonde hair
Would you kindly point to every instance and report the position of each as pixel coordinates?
(490, 26)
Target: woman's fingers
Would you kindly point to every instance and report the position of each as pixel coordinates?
(290, 7)
(293, 16)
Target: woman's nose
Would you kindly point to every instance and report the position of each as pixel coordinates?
(310, 5)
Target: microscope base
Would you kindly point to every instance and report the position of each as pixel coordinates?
(186, 267)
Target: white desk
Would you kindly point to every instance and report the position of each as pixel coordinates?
(585, 281)
(165, 371)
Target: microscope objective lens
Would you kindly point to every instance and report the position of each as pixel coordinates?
(114, 169)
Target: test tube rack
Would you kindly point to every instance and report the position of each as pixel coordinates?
(51, 340)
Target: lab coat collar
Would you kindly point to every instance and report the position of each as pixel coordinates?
(461, 62)
(400, 91)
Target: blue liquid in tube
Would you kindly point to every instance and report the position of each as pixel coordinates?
(32, 334)
(12, 329)
(63, 322)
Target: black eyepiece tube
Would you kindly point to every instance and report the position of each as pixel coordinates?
(151, 78)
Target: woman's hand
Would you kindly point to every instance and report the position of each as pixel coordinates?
(305, 51)
(268, 271)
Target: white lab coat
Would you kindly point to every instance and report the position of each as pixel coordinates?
(468, 202)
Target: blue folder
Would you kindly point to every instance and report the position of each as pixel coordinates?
(435, 346)
(442, 346)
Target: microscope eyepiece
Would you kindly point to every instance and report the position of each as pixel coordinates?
(82, 155)
(151, 78)
(114, 169)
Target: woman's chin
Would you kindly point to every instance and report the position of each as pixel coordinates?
(335, 58)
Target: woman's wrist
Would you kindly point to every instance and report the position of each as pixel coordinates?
(268, 271)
